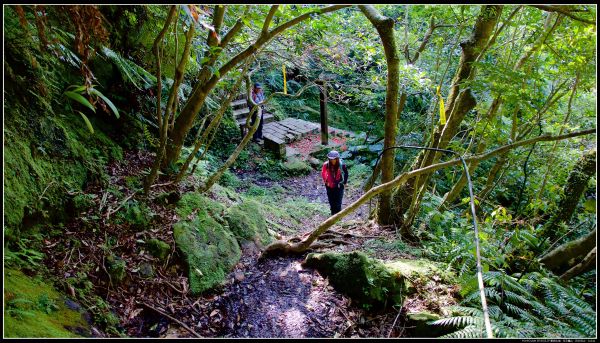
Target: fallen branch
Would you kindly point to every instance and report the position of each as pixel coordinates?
(304, 244)
(109, 212)
(173, 319)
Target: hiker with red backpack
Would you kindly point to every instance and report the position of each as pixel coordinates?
(335, 177)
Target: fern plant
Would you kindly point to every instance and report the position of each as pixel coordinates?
(536, 306)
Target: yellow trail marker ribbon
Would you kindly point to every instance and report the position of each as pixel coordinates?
(442, 109)
(284, 81)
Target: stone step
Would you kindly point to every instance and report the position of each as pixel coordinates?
(267, 119)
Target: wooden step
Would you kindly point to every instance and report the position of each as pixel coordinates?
(241, 113)
(267, 118)
(239, 104)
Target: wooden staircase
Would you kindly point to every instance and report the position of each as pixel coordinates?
(240, 112)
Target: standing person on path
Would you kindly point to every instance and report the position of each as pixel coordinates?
(257, 96)
(335, 177)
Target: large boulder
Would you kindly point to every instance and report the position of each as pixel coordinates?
(209, 249)
(367, 281)
(374, 283)
(247, 223)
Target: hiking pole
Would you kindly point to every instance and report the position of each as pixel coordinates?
(486, 317)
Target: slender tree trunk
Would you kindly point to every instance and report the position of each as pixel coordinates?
(460, 101)
(292, 246)
(162, 122)
(385, 28)
(576, 184)
(565, 256)
(208, 80)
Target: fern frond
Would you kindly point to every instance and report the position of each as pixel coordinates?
(467, 332)
(458, 321)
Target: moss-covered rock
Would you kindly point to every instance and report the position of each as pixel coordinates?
(209, 248)
(192, 203)
(419, 326)
(33, 308)
(137, 214)
(366, 280)
(247, 223)
(295, 167)
(420, 269)
(146, 270)
(116, 268)
(158, 248)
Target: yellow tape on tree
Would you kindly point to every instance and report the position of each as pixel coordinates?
(442, 109)
(284, 81)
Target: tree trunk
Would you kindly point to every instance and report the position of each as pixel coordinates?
(460, 102)
(576, 184)
(208, 80)
(385, 28)
(298, 245)
(588, 263)
(550, 24)
(565, 256)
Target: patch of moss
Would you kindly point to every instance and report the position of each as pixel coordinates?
(193, 202)
(137, 214)
(43, 157)
(248, 223)
(296, 167)
(158, 248)
(116, 268)
(366, 280)
(209, 250)
(421, 268)
(35, 309)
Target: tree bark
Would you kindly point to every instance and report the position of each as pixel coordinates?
(588, 263)
(385, 28)
(564, 257)
(460, 101)
(576, 184)
(209, 80)
(293, 246)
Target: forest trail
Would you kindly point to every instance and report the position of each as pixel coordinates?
(277, 297)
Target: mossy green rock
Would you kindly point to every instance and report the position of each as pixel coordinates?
(192, 203)
(209, 248)
(158, 248)
(247, 223)
(296, 167)
(116, 268)
(138, 215)
(366, 280)
(146, 270)
(419, 325)
(33, 308)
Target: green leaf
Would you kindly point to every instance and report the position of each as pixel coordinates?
(108, 102)
(87, 122)
(590, 205)
(80, 99)
(77, 89)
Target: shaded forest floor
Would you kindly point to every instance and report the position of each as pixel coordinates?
(275, 297)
